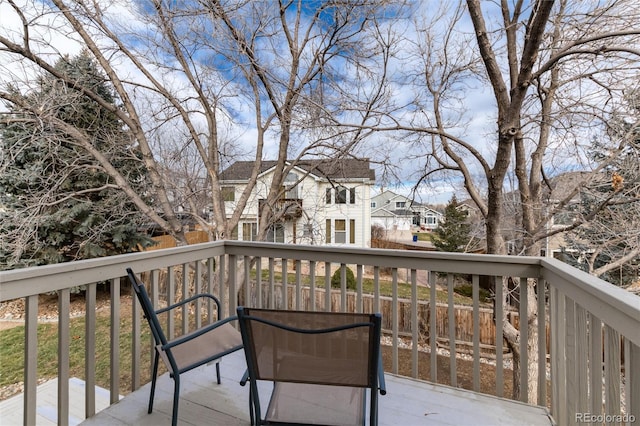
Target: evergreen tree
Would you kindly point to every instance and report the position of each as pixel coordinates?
(452, 235)
(57, 203)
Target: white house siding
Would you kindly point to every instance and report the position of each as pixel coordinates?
(311, 190)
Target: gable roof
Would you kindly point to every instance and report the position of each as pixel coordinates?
(347, 168)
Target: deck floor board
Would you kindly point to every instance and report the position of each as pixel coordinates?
(408, 402)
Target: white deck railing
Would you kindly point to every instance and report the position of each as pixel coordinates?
(591, 373)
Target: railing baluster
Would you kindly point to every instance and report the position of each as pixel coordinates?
(135, 342)
(595, 365)
(298, 285)
(285, 284)
(312, 285)
(394, 320)
(632, 389)
(248, 299)
(171, 298)
(198, 290)
(259, 281)
(272, 278)
(611, 371)
(222, 286)
(542, 343)
(90, 350)
(475, 295)
(114, 348)
(581, 371)
(451, 319)
(414, 324)
(499, 312)
(558, 358)
(570, 348)
(524, 338)
(358, 288)
(30, 362)
(185, 294)
(211, 287)
(327, 286)
(233, 284)
(64, 343)
(376, 289)
(433, 326)
(343, 287)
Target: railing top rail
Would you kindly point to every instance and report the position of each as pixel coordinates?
(24, 282)
(462, 263)
(615, 306)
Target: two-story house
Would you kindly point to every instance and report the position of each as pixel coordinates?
(322, 201)
(395, 212)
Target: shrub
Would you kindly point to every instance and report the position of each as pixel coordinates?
(351, 279)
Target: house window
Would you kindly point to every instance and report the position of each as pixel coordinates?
(228, 193)
(431, 220)
(373, 204)
(352, 195)
(341, 231)
(290, 186)
(307, 230)
(338, 232)
(328, 196)
(249, 231)
(400, 204)
(275, 234)
(341, 195)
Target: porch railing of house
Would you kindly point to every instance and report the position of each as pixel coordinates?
(593, 327)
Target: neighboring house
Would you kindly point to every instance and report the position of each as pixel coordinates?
(396, 212)
(322, 202)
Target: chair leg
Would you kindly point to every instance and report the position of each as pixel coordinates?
(154, 375)
(218, 370)
(176, 399)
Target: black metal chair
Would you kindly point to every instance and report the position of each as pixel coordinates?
(206, 344)
(321, 365)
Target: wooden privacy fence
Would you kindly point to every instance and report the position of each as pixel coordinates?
(463, 316)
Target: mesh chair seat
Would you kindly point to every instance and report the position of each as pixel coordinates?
(193, 350)
(316, 404)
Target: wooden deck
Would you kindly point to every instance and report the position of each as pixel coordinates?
(407, 402)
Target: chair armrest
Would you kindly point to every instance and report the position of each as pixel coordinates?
(189, 300)
(198, 332)
(381, 383)
(245, 378)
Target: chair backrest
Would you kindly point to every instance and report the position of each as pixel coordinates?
(327, 348)
(147, 308)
